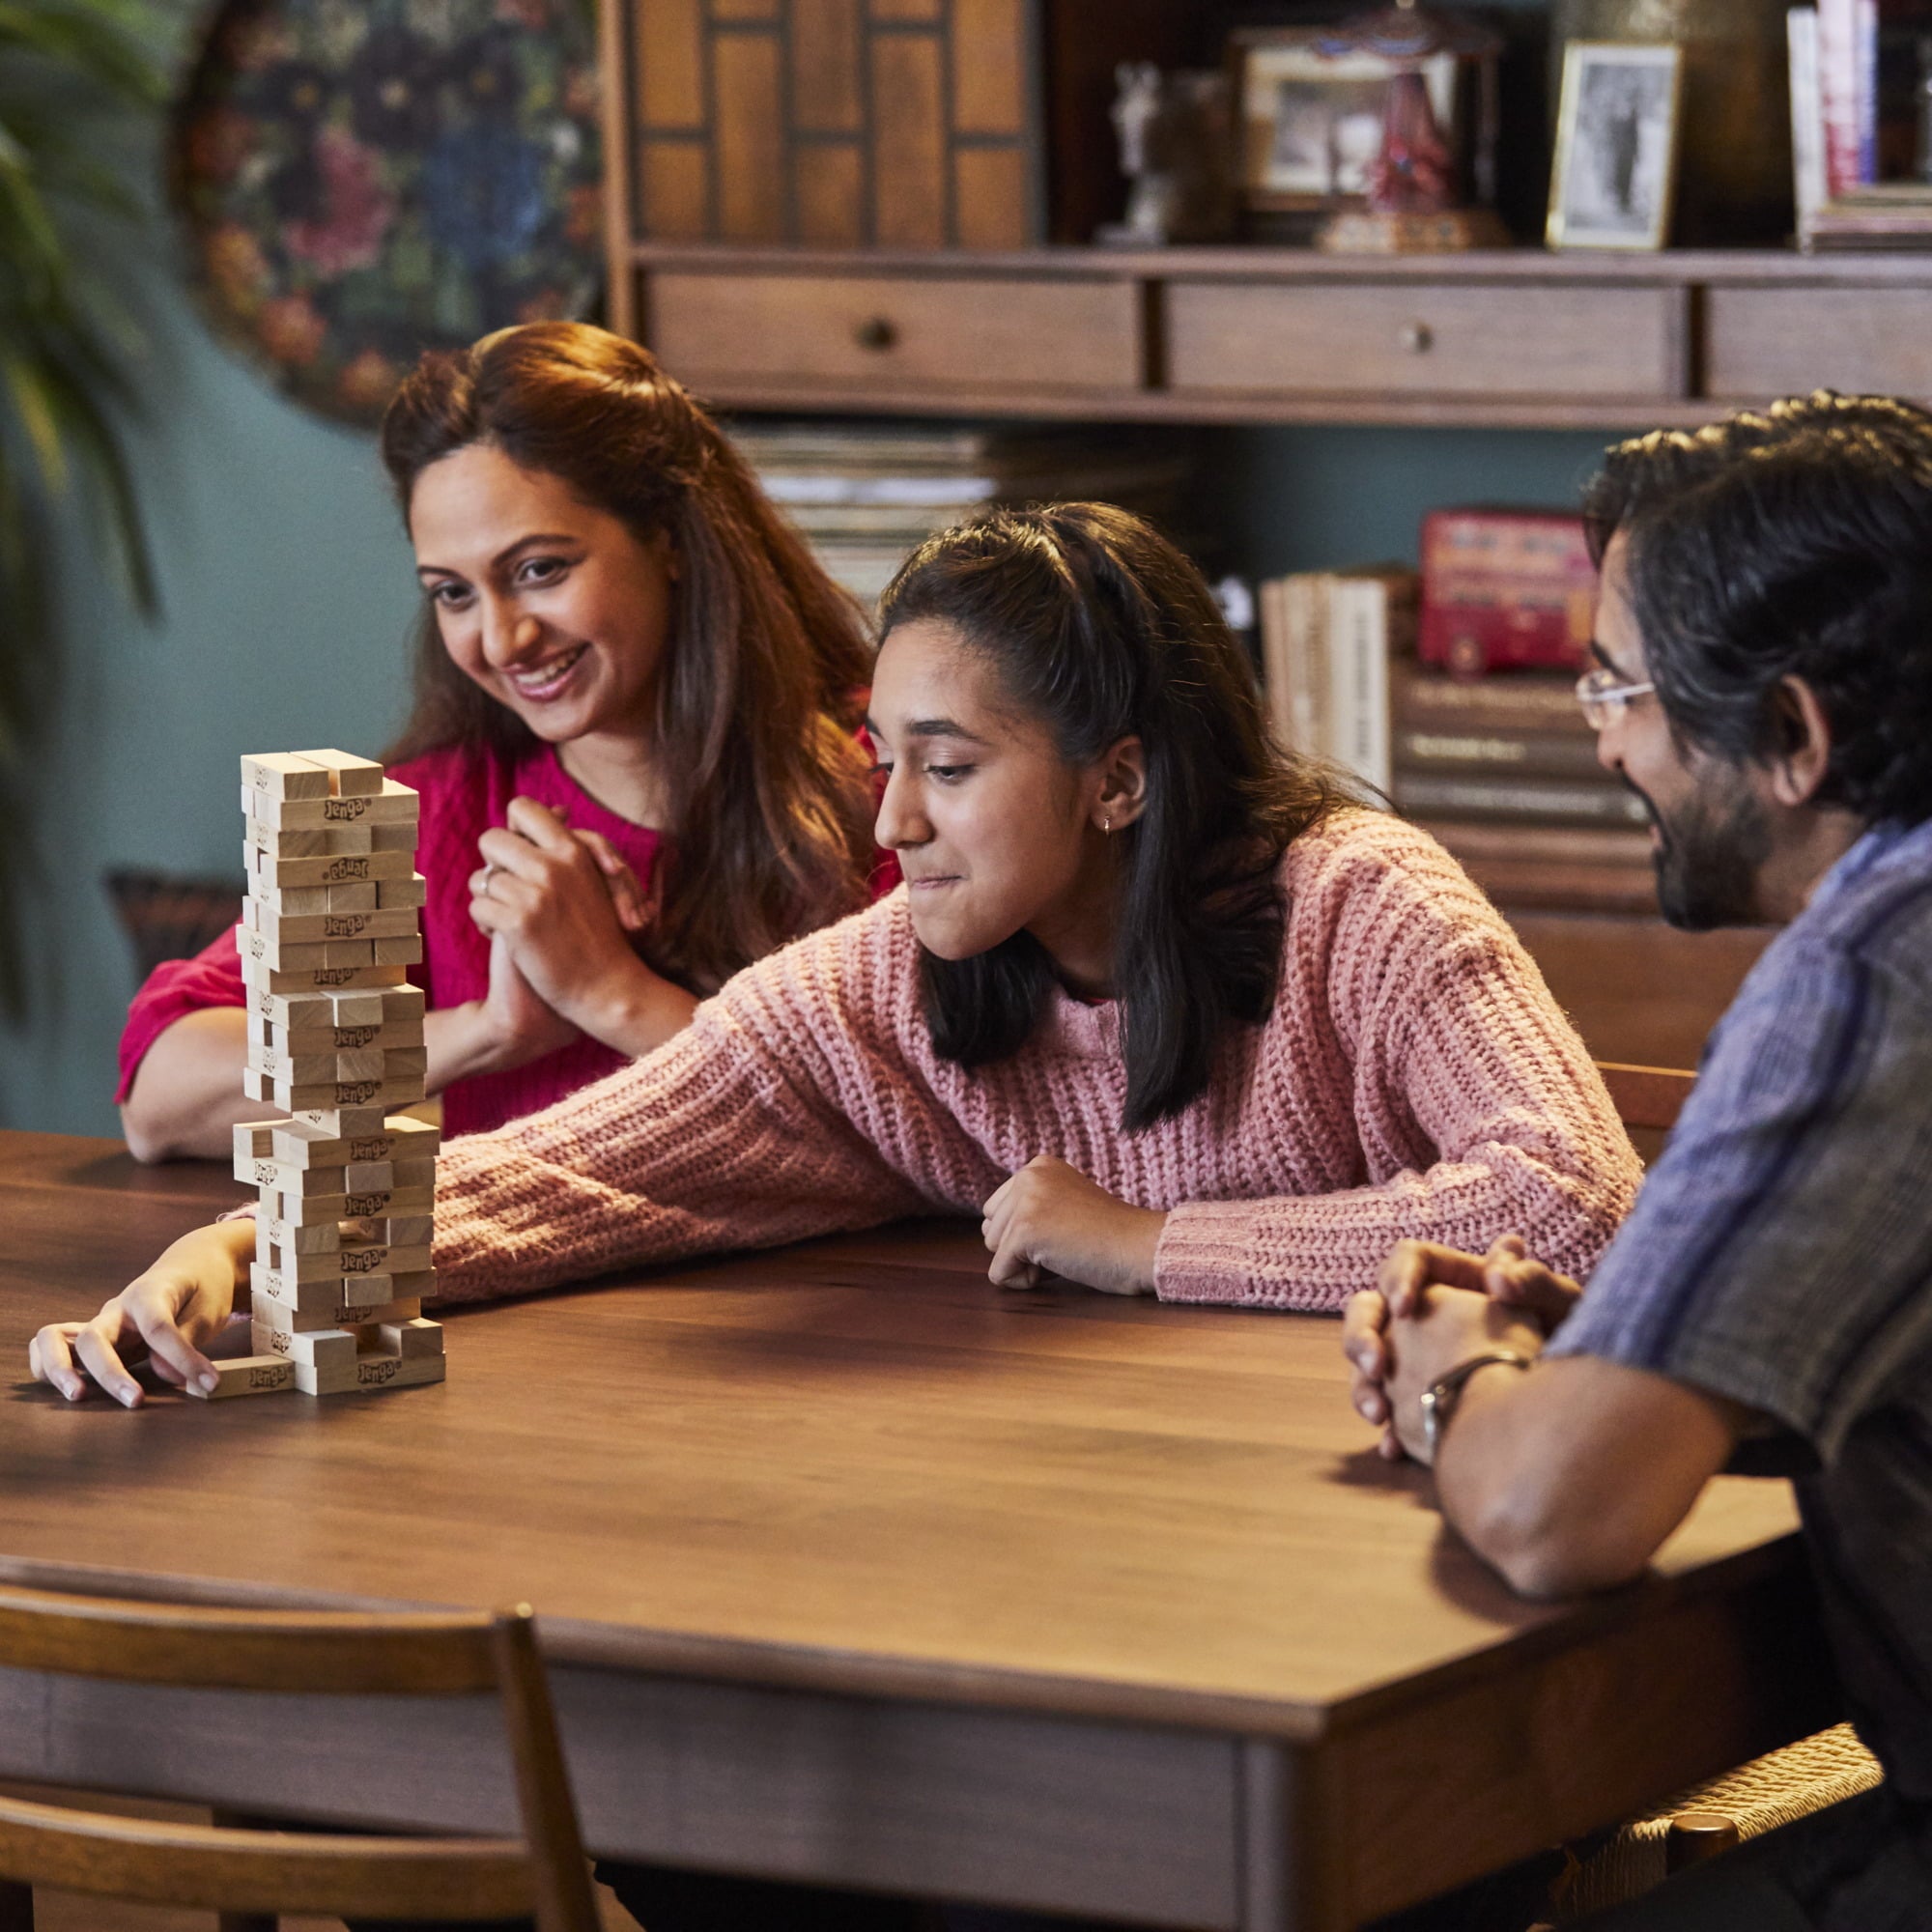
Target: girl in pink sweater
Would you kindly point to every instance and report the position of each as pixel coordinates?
(1165, 1008)
(635, 737)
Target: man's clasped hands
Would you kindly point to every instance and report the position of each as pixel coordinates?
(1434, 1309)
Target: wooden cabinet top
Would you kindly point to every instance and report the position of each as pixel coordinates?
(1501, 338)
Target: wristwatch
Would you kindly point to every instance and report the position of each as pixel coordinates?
(1440, 1397)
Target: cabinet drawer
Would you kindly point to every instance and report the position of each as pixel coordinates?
(1415, 339)
(1766, 342)
(943, 333)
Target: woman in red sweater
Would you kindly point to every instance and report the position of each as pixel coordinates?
(636, 695)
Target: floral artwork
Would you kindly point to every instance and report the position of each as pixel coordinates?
(363, 180)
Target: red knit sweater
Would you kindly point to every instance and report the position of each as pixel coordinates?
(1415, 1078)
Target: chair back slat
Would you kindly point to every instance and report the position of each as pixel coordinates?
(212, 1868)
(250, 1872)
(295, 1651)
(1647, 1096)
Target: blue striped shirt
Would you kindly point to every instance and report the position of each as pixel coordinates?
(1781, 1254)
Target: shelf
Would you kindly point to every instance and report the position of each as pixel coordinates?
(1507, 338)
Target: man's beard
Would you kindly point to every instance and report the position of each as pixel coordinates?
(1711, 851)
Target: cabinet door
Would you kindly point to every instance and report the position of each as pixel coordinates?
(1766, 342)
(1426, 339)
(774, 331)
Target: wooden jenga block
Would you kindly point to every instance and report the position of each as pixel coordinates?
(254, 1140)
(409, 1231)
(405, 1063)
(260, 978)
(298, 900)
(351, 776)
(394, 804)
(317, 928)
(284, 775)
(274, 1316)
(378, 1202)
(292, 1265)
(350, 1122)
(397, 1138)
(394, 837)
(347, 839)
(267, 874)
(410, 892)
(269, 1285)
(411, 1339)
(418, 1285)
(404, 1037)
(248, 1374)
(290, 1182)
(381, 1371)
(318, 1238)
(259, 949)
(407, 950)
(320, 1348)
(352, 895)
(379, 1257)
(367, 1290)
(300, 841)
(335, 1378)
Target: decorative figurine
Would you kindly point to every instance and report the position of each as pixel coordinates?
(1415, 202)
(1175, 142)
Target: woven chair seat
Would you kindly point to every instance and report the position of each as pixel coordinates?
(1777, 1789)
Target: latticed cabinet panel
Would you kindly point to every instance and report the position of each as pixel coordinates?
(854, 124)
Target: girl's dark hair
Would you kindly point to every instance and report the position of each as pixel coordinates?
(1793, 541)
(763, 678)
(1095, 623)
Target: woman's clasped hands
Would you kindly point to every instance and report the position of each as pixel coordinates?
(561, 909)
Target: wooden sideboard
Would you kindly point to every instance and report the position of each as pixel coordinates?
(1509, 338)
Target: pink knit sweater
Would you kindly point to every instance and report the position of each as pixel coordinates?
(1415, 1078)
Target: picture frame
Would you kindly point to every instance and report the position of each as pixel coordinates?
(1308, 124)
(1614, 174)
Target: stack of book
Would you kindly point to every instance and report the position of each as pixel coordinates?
(1329, 637)
(1503, 771)
(864, 493)
(1854, 113)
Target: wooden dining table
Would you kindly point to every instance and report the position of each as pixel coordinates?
(854, 1569)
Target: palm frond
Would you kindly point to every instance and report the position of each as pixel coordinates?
(63, 375)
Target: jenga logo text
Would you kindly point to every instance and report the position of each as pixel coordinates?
(348, 1038)
(372, 1374)
(356, 1093)
(344, 925)
(333, 975)
(355, 1205)
(344, 808)
(363, 1261)
(346, 868)
(265, 1377)
(372, 1147)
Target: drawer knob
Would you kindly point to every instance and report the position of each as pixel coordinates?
(1418, 338)
(875, 332)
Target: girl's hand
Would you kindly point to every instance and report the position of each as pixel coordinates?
(1050, 1220)
(184, 1299)
(564, 903)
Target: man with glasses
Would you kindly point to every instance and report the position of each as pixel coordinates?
(1764, 684)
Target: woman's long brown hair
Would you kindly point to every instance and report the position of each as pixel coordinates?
(763, 676)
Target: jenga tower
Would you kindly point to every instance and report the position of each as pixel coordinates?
(335, 1039)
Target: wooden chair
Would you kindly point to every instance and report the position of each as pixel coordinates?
(1648, 1101)
(251, 1875)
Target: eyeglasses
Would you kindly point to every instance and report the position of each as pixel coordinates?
(1603, 699)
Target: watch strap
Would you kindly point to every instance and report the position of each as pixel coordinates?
(1441, 1398)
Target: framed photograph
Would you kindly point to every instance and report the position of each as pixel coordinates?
(1310, 123)
(1615, 172)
